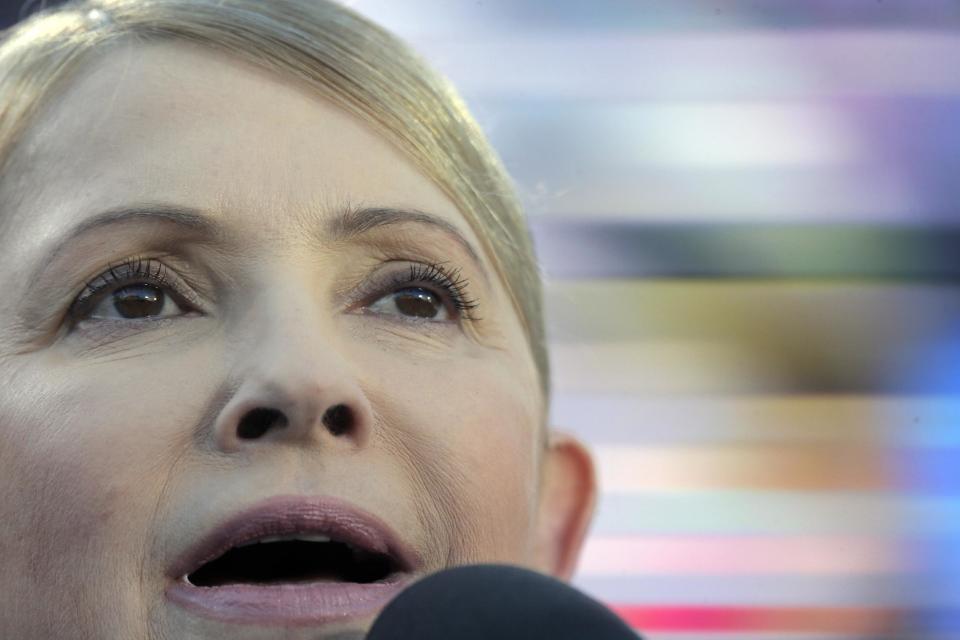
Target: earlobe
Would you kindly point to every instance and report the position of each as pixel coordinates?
(567, 498)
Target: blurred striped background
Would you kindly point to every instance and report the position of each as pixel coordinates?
(747, 213)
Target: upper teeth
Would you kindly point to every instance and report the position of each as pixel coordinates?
(303, 537)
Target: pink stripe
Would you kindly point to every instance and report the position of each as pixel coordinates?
(866, 622)
(838, 555)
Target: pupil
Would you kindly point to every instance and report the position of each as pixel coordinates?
(138, 301)
(419, 303)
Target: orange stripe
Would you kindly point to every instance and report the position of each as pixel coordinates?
(831, 467)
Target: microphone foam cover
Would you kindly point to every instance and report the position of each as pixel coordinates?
(495, 602)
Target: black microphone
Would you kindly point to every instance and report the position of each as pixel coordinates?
(496, 602)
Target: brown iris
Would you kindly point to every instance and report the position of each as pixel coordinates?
(417, 302)
(138, 301)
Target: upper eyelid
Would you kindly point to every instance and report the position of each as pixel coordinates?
(397, 276)
(99, 281)
(458, 291)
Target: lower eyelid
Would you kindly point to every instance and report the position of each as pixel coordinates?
(406, 325)
(97, 331)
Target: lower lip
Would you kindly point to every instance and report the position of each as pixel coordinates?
(306, 604)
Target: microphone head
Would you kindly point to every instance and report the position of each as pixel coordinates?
(487, 602)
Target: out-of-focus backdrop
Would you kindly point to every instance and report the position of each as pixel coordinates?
(747, 212)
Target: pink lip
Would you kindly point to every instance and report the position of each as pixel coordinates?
(293, 604)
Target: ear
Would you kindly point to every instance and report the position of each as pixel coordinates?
(568, 493)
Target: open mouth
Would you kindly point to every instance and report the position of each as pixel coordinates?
(295, 560)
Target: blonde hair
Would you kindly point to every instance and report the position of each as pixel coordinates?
(345, 57)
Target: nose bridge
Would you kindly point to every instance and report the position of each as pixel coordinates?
(293, 382)
(288, 335)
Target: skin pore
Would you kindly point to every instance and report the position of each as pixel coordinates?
(268, 250)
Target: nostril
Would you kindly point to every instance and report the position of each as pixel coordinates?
(338, 419)
(258, 421)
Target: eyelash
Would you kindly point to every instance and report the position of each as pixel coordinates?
(447, 282)
(130, 271)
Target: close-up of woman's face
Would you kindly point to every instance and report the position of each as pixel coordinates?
(251, 358)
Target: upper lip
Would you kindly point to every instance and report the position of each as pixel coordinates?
(293, 515)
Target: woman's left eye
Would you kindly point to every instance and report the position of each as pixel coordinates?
(136, 301)
(412, 302)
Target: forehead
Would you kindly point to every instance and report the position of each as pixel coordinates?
(175, 122)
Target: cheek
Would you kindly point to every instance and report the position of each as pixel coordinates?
(57, 503)
(56, 494)
(481, 420)
(82, 464)
(494, 445)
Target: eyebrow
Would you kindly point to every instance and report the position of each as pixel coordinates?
(346, 225)
(353, 222)
(186, 217)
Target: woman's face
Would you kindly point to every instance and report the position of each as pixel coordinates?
(225, 294)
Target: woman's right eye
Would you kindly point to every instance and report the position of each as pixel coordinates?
(138, 289)
(137, 301)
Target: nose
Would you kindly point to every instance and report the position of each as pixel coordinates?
(294, 387)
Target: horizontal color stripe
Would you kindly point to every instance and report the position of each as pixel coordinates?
(665, 365)
(609, 418)
(863, 621)
(740, 556)
(748, 337)
(779, 590)
(775, 513)
(794, 468)
(720, 57)
(768, 635)
(591, 248)
(613, 418)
